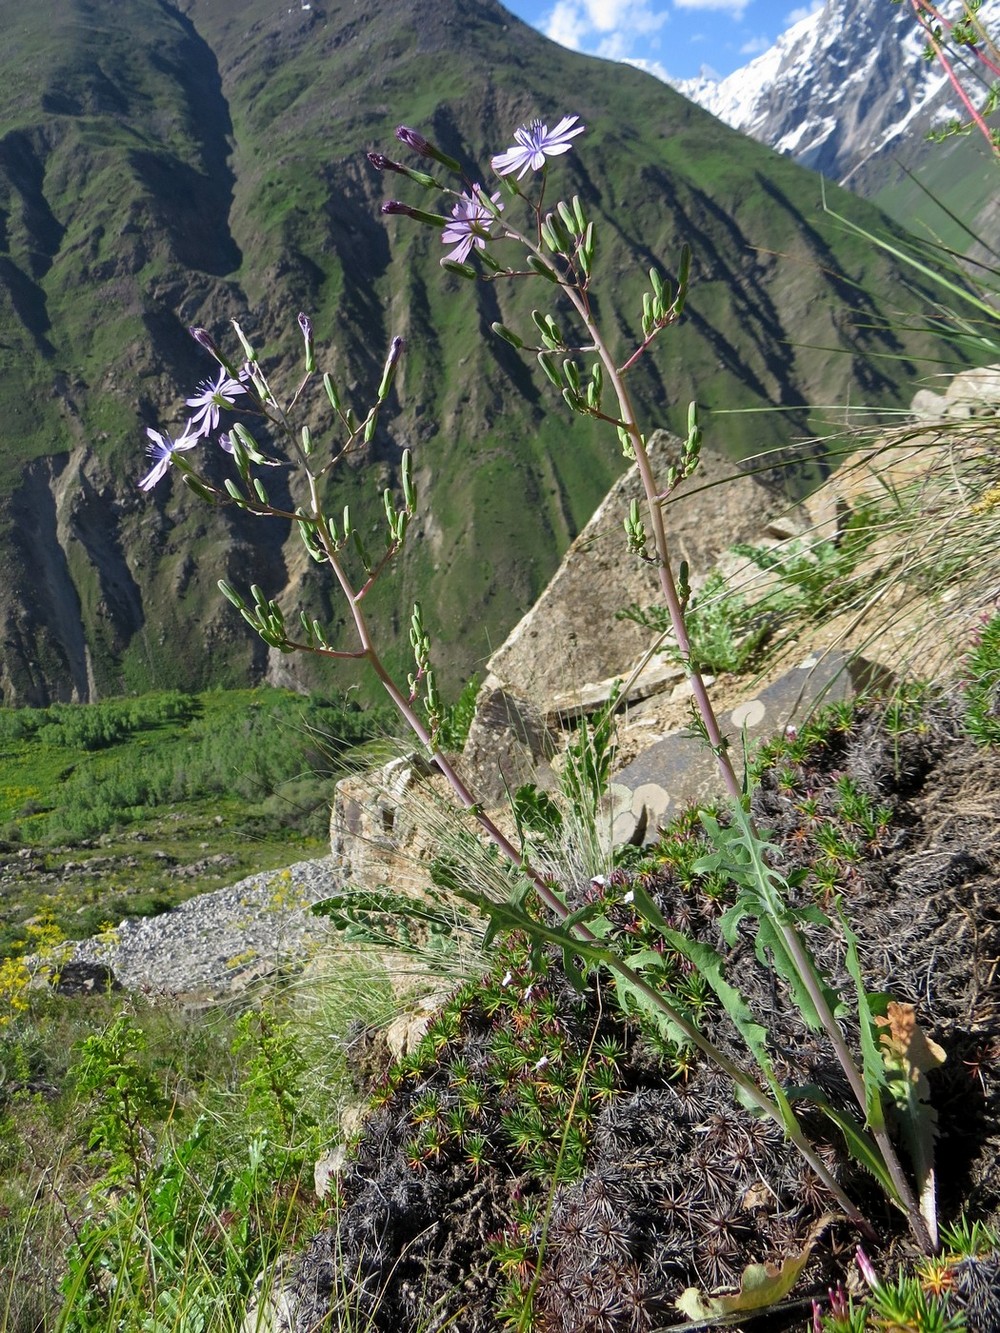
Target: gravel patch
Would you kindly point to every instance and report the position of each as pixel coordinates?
(221, 941)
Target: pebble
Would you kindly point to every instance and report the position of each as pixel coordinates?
(218, 942)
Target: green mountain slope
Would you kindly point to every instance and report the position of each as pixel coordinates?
(163, 165)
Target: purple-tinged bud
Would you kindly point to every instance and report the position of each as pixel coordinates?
(839, 1305)
(817, 1321)
(305, 324)
(416, 141)
(867, 1268)
(382, 163)
(392, 206)
(202, 337)
(395, 352)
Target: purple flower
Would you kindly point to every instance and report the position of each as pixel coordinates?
(161, 449)
(209, 398)
(535, 144)
(470, 224)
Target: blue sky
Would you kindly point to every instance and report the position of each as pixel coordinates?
(677, 36)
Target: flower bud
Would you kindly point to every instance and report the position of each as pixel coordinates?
(382, 163)
(393, 206)
(418, 144)
(305, 324)
(202, 337)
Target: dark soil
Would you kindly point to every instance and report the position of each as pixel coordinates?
(678, 1185)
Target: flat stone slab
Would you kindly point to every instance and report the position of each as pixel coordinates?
(680, 771)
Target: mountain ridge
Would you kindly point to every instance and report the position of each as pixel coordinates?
(206, 160)
(847, 90)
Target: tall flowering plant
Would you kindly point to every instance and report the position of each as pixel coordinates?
(506, 234)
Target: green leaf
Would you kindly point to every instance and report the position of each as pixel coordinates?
(873, 1066)
(859, 1145)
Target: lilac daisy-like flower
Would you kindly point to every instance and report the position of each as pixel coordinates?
(534, 144)
(161, 449)
(209, 398)
(470, 223)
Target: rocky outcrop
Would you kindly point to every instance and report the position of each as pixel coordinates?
(574, 634)
(564, 657)
(973, 394)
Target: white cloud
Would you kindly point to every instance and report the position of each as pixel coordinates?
(566, 25)
(608, 28)
(734, 8)
(755, 46)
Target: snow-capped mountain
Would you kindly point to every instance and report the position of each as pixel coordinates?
(841, 90)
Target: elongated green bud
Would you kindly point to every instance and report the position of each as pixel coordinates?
(307, 443)
(461, 270)
(540, 267)
(582, 224)
(595, 389)
(251, 355)
(562, 236)
(406, 474)
(635, 530)
(508, 335)
(331, 393)
(231, 595)
(362, 550)
(585, 255)
(647, 314)
(389, 370)
(371, 424)
(548, 235)
(548, 328)
(200, 489)
(244, 443)
(258, 486)
(234, 491)
(567, 215)
(545, 361)
(311, 542)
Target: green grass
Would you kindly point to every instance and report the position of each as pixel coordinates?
(129, 806)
